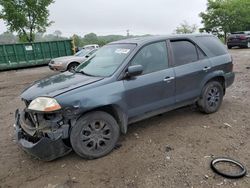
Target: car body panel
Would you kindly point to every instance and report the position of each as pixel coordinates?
(57, 84)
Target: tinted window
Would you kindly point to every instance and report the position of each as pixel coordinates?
(213, 44)
(152, 57)
(201, 54)
(184, 52)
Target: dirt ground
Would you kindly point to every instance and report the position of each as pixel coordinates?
(171, 150)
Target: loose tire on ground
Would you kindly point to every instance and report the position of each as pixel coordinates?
(211, 97)
(94, 135)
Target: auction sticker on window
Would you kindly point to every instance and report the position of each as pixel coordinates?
(122, 51)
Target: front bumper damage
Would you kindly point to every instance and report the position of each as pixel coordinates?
(43, 142)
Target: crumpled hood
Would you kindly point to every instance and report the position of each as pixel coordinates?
(57, 84)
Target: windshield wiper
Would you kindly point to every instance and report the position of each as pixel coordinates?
(82, 72)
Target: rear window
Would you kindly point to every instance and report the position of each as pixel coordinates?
(214, 45)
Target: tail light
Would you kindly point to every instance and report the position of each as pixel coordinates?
(243, 37)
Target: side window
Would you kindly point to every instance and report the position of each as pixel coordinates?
(184, 52)
(201, 54)
(213, 44)
(92, 52)
(152, 57)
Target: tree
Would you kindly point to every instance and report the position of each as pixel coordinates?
(91, 38)
(26, 17)
(185, 27)
(224, 16)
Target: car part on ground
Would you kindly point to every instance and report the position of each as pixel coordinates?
(241, 174)
(122, 83)
(240, 39)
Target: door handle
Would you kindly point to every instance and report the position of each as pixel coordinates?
(168, 79)
(206, 68)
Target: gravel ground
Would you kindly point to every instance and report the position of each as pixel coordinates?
(171, 150)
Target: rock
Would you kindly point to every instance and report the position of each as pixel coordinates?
(136, 136)
(168, 149)
(168, 158)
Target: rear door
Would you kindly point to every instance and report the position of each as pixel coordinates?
(153, 89)
(191, 66)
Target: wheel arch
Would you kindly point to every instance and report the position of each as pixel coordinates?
(216, 76)
(116, 112)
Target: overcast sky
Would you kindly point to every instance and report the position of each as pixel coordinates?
(116, 16)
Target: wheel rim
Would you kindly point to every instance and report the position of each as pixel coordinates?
(96, 136)
(72, 68)
(213, 97)
(248, 44)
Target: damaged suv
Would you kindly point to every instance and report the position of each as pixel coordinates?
(123, 82)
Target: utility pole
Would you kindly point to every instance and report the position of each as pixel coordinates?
(128, 33)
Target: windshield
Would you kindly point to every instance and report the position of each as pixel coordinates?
(106, 60)
(82, 52)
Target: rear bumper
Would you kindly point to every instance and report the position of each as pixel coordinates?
(229, 78)
(237, 43)
(43, 148)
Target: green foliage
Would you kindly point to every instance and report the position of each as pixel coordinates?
(224, 16)
(92, 38)
(185, 28)
(25, 17)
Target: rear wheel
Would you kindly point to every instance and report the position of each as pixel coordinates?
(72, 66)
(94, 135)
(229, 47)
(211, 98)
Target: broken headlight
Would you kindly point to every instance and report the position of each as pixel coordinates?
(44, 104)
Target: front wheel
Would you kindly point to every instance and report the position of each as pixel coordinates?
(94, 135)
(211, 98)
(72, 66)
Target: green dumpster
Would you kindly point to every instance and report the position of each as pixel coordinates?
(13, 56)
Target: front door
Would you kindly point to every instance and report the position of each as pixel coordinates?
(155, 88)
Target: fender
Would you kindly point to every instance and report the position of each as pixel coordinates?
(214, 74)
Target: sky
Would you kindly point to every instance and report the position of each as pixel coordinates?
(105, 17)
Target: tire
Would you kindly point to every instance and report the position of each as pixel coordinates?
(211, 97)
(72, 66)
(248, 45)
(229, 47)
(94, 135)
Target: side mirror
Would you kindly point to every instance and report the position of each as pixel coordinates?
(134, 70)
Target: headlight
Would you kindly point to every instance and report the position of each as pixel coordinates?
(44, 104)
(58, 63)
